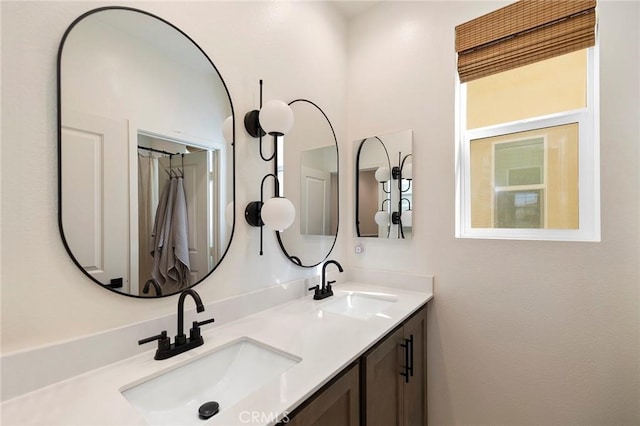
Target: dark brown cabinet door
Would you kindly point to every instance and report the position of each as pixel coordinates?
(383, 390)
(395, 373)
(336, 405)
(415, 391)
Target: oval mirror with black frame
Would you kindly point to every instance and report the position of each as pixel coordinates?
(145, 175)
(384, 186)
(308, 172)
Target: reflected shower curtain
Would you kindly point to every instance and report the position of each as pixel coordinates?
(147, 203)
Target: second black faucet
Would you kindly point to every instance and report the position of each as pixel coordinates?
(324, 290)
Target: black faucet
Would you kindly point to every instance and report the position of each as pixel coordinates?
(181, 344)
(324, 290)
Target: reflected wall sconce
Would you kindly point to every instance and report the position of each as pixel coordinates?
(406, 218)
(403, 172)
(275, 118)
(227, 130)
(383, 175)
(401, 217)
(382, 216)
(277, 213)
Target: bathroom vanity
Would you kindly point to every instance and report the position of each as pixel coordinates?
(358, 354)
(386, 386)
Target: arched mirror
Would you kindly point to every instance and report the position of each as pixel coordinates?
(145, 174)
(384, 186)
(308, 173)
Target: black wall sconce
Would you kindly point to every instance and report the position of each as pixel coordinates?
(277, 213)
(275, 118)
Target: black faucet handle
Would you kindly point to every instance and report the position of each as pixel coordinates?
(164, 343)
(315, 287)
(162, 335)
(194, 333)
(201, 323)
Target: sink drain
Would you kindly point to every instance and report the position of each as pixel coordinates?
(208, 409)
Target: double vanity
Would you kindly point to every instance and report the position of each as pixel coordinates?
(306, 360)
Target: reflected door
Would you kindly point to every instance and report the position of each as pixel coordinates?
(316, 199)
(95, 219)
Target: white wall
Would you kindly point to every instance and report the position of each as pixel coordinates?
(298, 49)
(519, 332)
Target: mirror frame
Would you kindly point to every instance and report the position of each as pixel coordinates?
(59, 122)
(295, 259)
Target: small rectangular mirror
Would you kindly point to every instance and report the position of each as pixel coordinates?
(384, 186)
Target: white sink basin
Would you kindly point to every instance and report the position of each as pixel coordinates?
(226, 376)
(358, 305)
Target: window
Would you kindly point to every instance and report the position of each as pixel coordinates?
(527, 133)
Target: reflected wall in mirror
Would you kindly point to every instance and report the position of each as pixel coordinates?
(307, 169)
(384, 186)
(145, 174)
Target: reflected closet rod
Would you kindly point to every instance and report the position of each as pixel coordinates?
(159, 151)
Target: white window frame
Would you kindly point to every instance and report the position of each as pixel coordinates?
(588, 164)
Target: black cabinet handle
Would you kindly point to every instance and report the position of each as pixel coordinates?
(407, 368)
(406, 371)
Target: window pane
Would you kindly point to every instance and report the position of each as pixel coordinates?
(519, 163)
(526, 179)
(546, 87)
(519, 209)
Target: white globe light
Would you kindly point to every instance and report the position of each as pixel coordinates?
(407, 218)
(227, 129)
(278, 213)
(276, 118)
(383, 174)
(382, 218)
(407, 171)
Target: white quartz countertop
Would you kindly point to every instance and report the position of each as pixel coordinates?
(325, 342)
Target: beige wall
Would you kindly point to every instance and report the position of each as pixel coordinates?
(520, 332)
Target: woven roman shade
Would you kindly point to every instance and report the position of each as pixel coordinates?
(522, 33)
